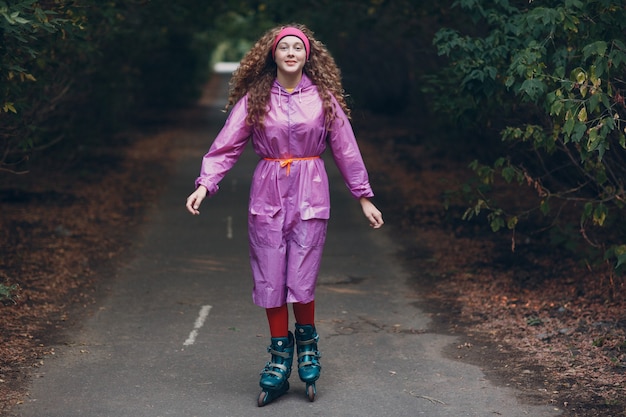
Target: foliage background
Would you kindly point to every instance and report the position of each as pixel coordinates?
(75, 71)
(547, 79)
(531, 92)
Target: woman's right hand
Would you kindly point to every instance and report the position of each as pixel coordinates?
(195, 199)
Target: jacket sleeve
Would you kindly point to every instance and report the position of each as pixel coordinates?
(226, 149)
(347, 155)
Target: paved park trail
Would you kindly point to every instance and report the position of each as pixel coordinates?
(178, 335)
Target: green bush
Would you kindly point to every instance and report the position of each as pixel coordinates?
(550, 77)
(8, 293)
(75, 71)
(26, 96)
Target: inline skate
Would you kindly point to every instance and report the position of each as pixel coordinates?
(309, 366)
(274, 377)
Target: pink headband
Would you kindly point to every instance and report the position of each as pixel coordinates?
(291, 31)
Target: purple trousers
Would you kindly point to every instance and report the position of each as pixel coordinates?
(286, 272)
(285, 250)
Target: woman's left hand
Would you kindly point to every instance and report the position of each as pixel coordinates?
(371, 213)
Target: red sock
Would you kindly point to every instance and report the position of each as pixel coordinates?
(304, 313)
(278, 319)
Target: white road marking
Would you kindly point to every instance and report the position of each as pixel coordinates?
(204, 313)
(229, 227)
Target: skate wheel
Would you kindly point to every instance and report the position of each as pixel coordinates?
(263, 398)
(310, 392)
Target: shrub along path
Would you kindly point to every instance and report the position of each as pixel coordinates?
(533, 319)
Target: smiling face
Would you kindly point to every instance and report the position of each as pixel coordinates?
(290, 56)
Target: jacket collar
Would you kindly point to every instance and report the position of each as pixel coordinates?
(305, 83)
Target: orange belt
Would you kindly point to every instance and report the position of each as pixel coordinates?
(286, 162)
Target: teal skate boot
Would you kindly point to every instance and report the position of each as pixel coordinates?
(309, 366)
(274, 377)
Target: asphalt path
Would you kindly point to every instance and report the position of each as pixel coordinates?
(178, 335)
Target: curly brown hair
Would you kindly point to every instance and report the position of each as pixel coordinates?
(257, 72)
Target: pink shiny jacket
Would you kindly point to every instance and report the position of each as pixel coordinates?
(294, 128)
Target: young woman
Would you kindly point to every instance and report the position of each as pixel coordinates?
(287, 98)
